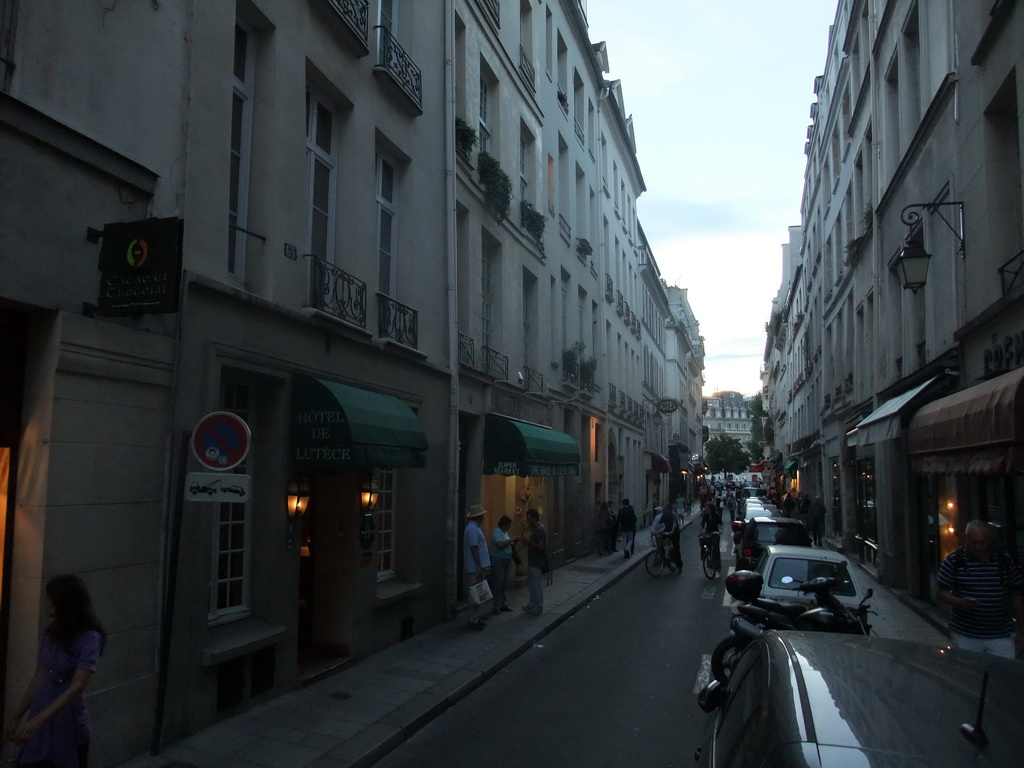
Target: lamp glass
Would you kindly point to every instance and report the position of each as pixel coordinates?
(298, 498)
(370, 493)
(913, 263)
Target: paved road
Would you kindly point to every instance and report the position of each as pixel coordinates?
(612, 687)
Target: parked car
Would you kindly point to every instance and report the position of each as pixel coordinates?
(754, 534)
(785, 568)
(755, 507)
(818, 700)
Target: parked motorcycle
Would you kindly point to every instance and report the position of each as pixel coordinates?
(757, 614)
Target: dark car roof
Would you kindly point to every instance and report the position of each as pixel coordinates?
(899, 701)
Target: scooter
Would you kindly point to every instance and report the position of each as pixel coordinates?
(756, 614)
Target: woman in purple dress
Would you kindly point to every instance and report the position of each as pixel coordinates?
(51, 722)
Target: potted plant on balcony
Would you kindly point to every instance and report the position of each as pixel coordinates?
(497, 185)
(571, 362)
(588, 367)
(533, 222)
(465, 138)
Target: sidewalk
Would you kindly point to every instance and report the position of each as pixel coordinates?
(355, 717)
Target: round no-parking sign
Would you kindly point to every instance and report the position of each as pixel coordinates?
(221, 440)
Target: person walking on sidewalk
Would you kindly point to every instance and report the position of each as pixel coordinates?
(816, 519)
(501, 558)
(536, 560)
(627, 527)
(476, 559)
(982, 585)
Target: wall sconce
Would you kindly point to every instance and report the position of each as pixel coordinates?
(913, 258)
(656, 418)
(369, 494)
(297, 503)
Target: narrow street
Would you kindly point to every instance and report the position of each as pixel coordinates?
(614, 686)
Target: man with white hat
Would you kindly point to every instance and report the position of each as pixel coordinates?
(476, 558)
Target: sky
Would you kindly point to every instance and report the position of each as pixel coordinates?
(720, 92)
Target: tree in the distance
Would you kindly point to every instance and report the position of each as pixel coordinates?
(723, 453)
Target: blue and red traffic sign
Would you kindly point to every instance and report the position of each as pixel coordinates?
(221, 440)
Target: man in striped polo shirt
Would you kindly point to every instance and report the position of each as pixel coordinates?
(985, 589)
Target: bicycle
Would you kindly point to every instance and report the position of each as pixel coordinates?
(660, 556)
(711, 554)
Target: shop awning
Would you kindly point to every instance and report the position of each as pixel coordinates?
(979, 430)
(659, 464)
(335, 425)
(884, 423)
(790, 468)
(513, 447)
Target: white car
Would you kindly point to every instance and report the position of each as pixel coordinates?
(785, 568)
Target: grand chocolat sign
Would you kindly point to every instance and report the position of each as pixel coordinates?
(140, 263)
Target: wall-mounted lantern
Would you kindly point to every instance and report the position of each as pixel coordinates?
(297, 502)
(369, 494)
(913, 259)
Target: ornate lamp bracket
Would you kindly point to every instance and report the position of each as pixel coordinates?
(912, 218)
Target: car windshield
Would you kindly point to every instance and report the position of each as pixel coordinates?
(791, 572)
(783, 534)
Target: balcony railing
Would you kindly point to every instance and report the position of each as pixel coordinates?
(526, 69)
(495, 363)
(564, 229)
(534, 380)
(355, 14)
(609, 288)
(612, 394)
(467, 350)
(397, 322)
(493, 8)
(336, 292)
(581, 137)
(399, 66)
(619, 302)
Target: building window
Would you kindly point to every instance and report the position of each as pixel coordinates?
(387, 224)
(486, 291)
(229, 585)
(485, 99)
(321, 169)
(386, 518)
(241, 146)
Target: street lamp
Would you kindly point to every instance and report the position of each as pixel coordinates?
(913, 258)
(297, 501)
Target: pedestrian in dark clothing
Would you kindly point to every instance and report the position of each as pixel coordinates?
(816, 519)
(612, 531)
(671, 530)
(627, 527)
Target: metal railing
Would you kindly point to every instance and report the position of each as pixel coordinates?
(526, 69)
(467, 350)
(336, 292)
(495, 363)
(397, 322)
(534, 380)
(609, 288)
(355, 14)
(392, 58)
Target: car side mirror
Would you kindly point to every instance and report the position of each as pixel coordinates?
(711, 696)
(869, 594)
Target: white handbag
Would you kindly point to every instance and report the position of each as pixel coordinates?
(479, 593)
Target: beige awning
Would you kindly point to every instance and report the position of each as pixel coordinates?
(979, 430)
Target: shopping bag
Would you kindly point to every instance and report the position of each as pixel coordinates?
(480, 593)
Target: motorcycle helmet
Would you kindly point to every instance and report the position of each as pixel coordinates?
(744, 585)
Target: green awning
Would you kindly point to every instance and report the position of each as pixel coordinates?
(529, 450)
(335, 425)
(790, 468)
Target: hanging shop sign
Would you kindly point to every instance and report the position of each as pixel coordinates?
(140, 262)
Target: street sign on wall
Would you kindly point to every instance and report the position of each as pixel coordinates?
(220, 440)
(216, 487)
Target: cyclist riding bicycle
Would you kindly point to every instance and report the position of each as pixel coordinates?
(711, 529)
(666, 526)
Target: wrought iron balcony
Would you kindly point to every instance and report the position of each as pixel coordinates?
(397, 322)
(355, 16)
(619, 303)
(336, 292)
(612, 394)
(467, 350)
(571, 374)
(495, 363)
(399, 68)
(580, 135)
(609, 288)
(622, 399)
(493, 11)
(526, 69)
(564, 229)
(534, 380)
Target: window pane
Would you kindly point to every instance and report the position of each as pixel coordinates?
(323, 128)
(235, 593)
(385, 231)
(241, 47)
(222, 567)
(387, 182)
